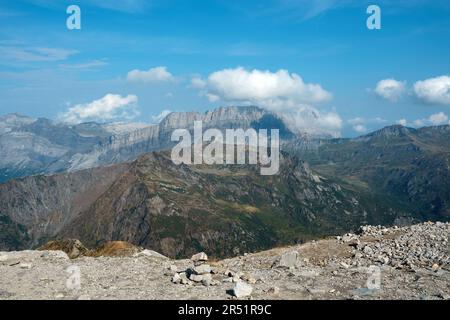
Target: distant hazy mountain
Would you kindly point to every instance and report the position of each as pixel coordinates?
(33, 146)
(30, 146)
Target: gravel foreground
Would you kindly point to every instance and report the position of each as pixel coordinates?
(377, 263)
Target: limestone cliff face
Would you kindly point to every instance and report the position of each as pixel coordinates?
(130, 145)
(34, 146)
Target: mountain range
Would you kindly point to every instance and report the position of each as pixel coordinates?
(42, 146)
(98, 182)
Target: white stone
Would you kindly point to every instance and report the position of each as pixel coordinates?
(176, 278)
(150, 253)
(289, 259)
(242, 289)
(199, 257)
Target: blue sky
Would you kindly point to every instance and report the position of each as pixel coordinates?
(233, 50)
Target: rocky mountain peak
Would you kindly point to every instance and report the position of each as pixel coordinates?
(214, 117)
(388, 132)
(395, 130)
(12, 121)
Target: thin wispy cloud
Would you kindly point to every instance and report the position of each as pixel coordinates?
(127, 6)
(34, 54)
(304, 10)
(292, 9)
(89, 65)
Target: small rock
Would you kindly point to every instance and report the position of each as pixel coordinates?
(214, 283)
(176, 278)
(289, 259)
(229, 273)
(435, 267)
(199, 257)
(184, 279)
(215, 270)
(349, 237)
(248, 278)
(357, 255)
(202, 269)
(200, 278)
(206, 282)
(368, 250)
(242, 289)
(25, 265)
(274, 290)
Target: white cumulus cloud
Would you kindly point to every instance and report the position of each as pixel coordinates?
(360, 128)
(157, 74)
(390, 89)
(110, 107)
(361, 125)
(310, 120)
(282, 92)
(438, 119)
(434, 90)
(261, 87)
